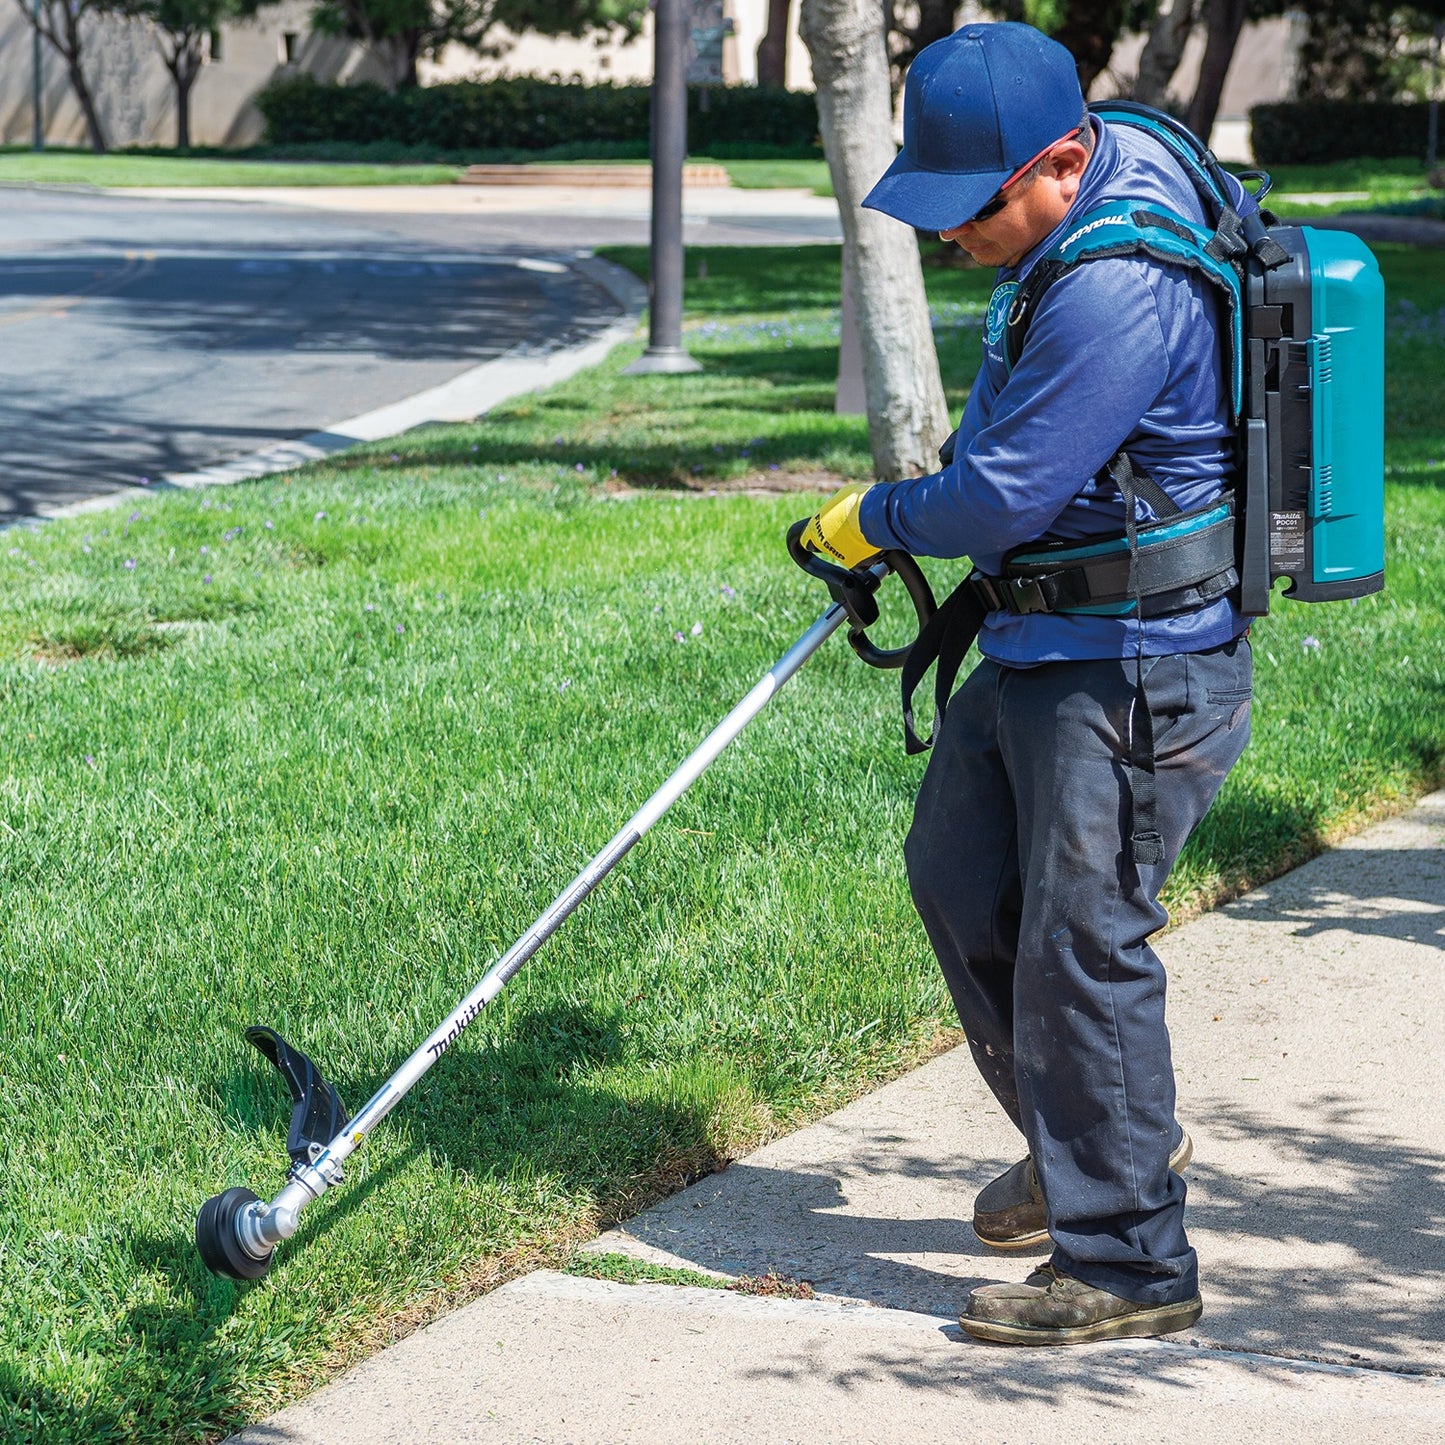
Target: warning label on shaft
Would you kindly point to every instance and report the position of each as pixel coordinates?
(1286, 540)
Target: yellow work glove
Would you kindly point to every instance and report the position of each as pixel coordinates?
(834, 531)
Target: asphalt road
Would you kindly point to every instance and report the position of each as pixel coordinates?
(144, 337)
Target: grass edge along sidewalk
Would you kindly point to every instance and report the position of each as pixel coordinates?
(1299, 191)
(312, 751)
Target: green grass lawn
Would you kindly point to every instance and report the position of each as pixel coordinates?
(124, 169)
(121, 169)
(313, 751)
(1349, 185)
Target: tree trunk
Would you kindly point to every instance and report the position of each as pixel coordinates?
(1225, 19)
(61, 29)
(93, 127)
(773, 47)
(907, 413)
(183, 60)
(185, 79)
(1088, 32)
(935, 21)
(1162, 51)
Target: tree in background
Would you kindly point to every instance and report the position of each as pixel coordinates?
(1088, 29)
(401, 32)
(913, 28)
(907, 412)
(1163, 49)
(773, 47)
(1223, 20)
(184, 31)
(65, 25)
(1365, 49)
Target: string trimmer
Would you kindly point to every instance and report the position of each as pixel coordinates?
(237, 1231)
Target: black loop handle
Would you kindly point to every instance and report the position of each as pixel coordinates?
(853, 592)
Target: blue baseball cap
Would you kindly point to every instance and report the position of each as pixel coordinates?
(978, 106)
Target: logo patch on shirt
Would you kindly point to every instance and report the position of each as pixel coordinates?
(996, 319)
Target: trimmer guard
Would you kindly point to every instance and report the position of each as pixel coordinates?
(319, 1115)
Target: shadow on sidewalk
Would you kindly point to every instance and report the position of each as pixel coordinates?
(1334, 1255)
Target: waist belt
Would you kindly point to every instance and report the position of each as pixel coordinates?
(1177, 565)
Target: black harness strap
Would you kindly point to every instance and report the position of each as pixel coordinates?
(1145, 843)
(1176, 573)
(945, 639)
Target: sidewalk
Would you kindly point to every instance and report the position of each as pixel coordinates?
(1306, 1022)
(721, 216)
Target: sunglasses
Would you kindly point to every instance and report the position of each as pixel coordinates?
(1001, 197)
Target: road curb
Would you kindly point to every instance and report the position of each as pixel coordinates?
(515, 373)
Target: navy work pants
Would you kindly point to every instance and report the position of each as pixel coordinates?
(1019, 863)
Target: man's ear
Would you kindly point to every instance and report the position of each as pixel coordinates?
(1068, 163)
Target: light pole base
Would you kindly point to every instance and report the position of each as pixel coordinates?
(670, 360)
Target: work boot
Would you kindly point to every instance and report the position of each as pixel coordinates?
(1051, 1308)
(1010, 1212)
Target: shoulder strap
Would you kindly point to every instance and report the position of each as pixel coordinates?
(1123, 228)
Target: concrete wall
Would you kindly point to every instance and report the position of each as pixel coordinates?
(1261, 72)
(631, 60)
(133, 89)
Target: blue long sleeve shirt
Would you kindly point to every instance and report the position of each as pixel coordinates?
(1122, 352)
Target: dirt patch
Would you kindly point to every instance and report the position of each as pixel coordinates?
(775, 1286)
(754, 484)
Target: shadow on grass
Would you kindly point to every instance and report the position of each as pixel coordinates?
(746, 280)
(179, 1359)
(659, 462)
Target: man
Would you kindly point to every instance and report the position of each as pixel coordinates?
(1048, 818)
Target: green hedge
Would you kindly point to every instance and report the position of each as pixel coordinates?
(528, 115)
(1309, 132)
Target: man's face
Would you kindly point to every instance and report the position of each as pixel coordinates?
(1033, 206)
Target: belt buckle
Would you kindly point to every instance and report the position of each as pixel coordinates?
(1025, 595)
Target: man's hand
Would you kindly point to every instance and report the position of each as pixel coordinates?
(834, 531)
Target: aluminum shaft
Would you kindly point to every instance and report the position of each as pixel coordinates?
(263, 1225)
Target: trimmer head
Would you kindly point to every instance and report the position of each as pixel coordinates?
(219, 1241)
(317, 1117)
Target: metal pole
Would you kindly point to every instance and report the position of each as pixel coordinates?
(1432, 150)
(669, 149)
(37, 106)
(262, 1226)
